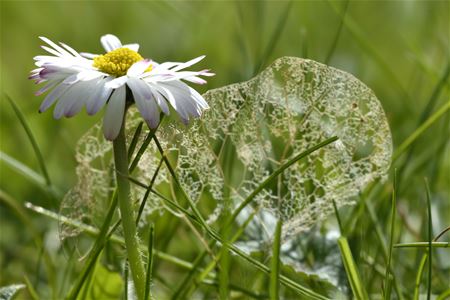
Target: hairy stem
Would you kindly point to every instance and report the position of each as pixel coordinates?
(127, 213)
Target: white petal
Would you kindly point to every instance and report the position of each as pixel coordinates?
(195, 79)
(70, 49)
(178, 100)
(161, 102)
(66, 101)
(134, 47)
(53, 96)
(110, 42)
(199, 98)
(71, 79)
(52, 51)
(112, 121)
(88, 75)
(56, 47)
(139, 67)
(88, 55)
(117, 82)
(85, 90)
(98, 99)
(146, 105)
(188, 63)
(183, 97)
(165, 93)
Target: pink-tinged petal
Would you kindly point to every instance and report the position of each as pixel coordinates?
(112, 121)
(40, 81)
(46, 88)
(206, 73)
(188, 63)
(34, 76)
(110, 42)
(195, 79)
(117, 82)
(139, 67)
(134, 47)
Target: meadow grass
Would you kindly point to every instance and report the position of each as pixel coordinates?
(387, 248)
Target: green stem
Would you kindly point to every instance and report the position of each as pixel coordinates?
(127, 213)
(275, 272)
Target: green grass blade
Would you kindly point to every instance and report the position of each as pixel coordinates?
(275, 271)
(135, 140)
(423, 245)
(224, 262)
(444, 295)
(148, 279)
(338, 218)
(34, 295)
(388, 275)
(92, 231)
(198, 218)
(430, 239)
(423, 261)
(234, 287)
(147, 192)
(440, 234)
(275, 37)
(30, 136)
(338, 33)
(361, 39)
(379, 234)
(142, 149)
(23, 216)
(420, 130)
(95, 251)
(29, 174)
(352, 272)
(277, 172)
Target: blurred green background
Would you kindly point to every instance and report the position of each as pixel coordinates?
(400, 49)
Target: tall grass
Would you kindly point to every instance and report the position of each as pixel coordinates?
(387, 247)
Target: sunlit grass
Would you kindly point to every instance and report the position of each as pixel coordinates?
(387, 244)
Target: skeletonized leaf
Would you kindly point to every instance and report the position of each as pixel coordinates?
(8, 292)
(250, 130)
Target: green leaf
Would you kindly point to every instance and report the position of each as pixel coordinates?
(105, 284)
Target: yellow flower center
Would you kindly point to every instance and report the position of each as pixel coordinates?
(117, 62)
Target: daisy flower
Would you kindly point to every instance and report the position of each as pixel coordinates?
(78, 79)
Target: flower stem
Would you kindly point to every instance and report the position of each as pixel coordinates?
(127, 213)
